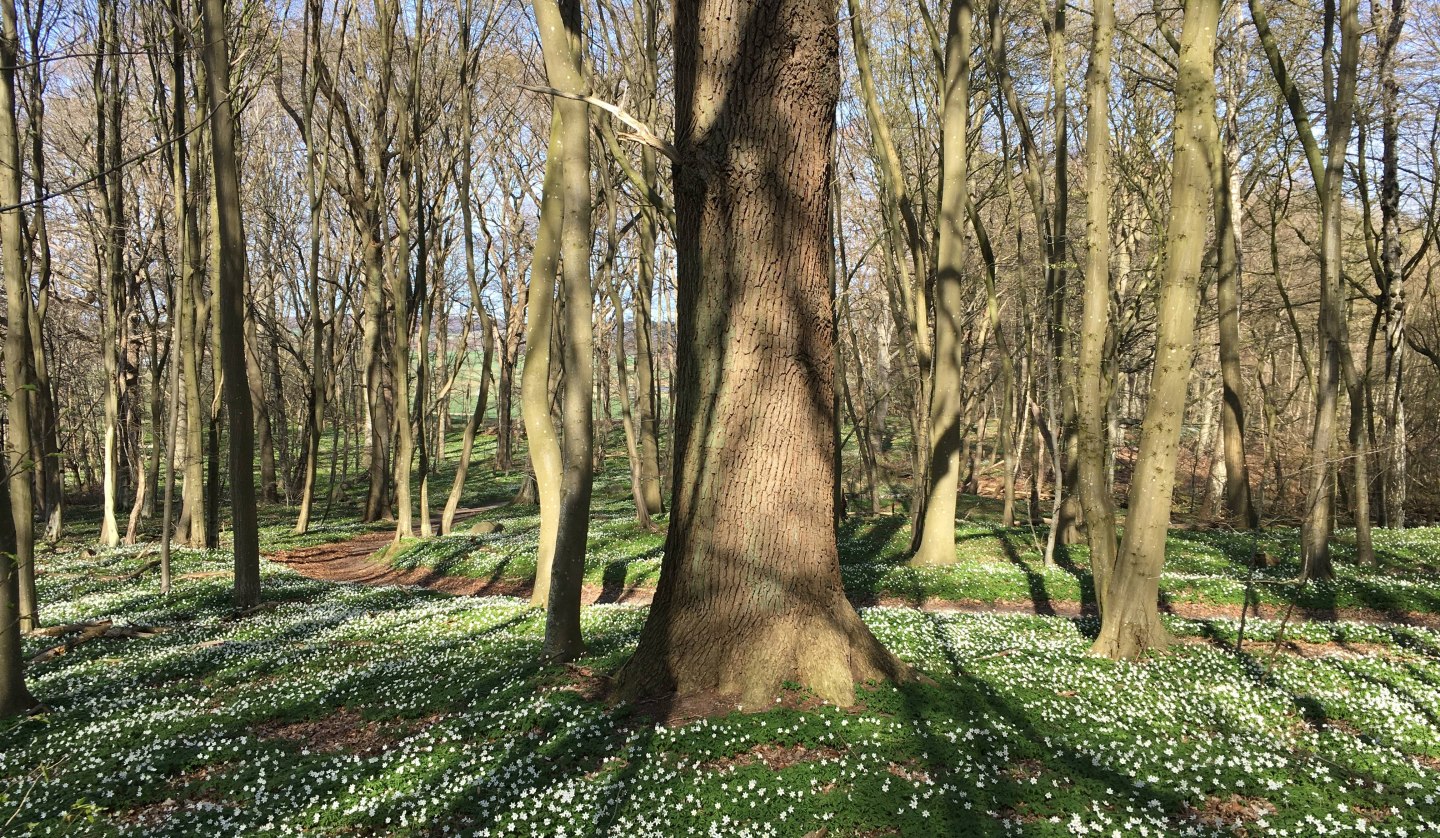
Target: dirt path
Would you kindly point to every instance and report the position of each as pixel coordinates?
(355, 561)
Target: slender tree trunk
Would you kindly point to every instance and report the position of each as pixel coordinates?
(269, 487)
(1395, 441)
(544, 442)
(1129, 619)
(17, 534)
(1238, 502)
(1093, 487)
(1319, 520)
(487, 328)
(749, 599)
(112, 281)
(314, 175)
(230, 296)
(560, 37)
(52, 500)
(937, 533)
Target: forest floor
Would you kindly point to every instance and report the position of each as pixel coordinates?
(392, 709)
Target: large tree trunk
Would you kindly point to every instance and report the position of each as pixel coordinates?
(749, 594)
(230, 297)
(1091, 388)
(937, 527)
(14, 697)
(1129, 620)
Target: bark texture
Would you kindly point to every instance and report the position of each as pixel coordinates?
(749, 594)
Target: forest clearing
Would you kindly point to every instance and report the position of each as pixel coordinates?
(720, 417)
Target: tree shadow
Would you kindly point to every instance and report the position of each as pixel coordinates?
(1035, 582)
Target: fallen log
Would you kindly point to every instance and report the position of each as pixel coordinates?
(96, 631)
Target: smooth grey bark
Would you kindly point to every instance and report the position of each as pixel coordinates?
(947, 397)
(1129, 620)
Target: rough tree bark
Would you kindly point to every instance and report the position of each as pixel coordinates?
(749, 593)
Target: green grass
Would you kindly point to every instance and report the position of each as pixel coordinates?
(363, 711)
(993, 564)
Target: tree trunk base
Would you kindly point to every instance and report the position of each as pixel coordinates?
(825, 650)
(1131, 635)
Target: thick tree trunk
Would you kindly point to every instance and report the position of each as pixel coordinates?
(947, 396)
(1129, 620)
(14, 697)
(230, 297)
(749, 594)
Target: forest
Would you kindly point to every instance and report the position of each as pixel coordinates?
(720, 417)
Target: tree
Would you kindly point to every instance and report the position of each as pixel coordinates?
(1129, 620)
(1096, 500)
(19, 549)
(560, 37)
(937, 526)
(749, 594)
(1326, 170)
(230, 296)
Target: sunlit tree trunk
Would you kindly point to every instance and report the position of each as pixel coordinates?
(112, 281)
(1129, 619)
(749, 599)
(947, 393)
(544, 442)
(1091, 388)
(560, 38)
